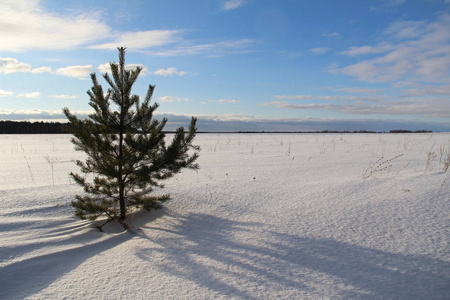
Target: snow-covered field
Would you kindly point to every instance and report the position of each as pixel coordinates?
(268, 216)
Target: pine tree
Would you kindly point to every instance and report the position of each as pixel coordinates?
(126, 149)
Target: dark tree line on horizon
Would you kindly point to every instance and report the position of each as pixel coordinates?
(26, 127)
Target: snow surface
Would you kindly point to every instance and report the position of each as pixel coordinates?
(268, 216)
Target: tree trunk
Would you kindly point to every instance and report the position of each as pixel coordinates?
(121, 179)
(122, 201)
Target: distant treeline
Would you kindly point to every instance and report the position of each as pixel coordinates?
(323, 131)
(409, 131)
(25, 127)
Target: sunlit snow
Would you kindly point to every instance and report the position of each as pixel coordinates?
(267, 216)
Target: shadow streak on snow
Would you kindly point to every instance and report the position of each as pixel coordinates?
(27, 277)
(217, 254)
(80, 241)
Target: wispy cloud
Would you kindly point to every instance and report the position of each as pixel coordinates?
(141, 39)
(291, 54)
(421, 107)
(228, 101)
(384, 5)
(169, 71)
(407, 29)
(331, 34)
(212, 49)
(393, 2)
(241, 122)
(321, 50)
(424, 90)
(419, 50)
(359, 90)
(364, 50)
(26, 25)
(329, 98)
(64, 96)
(232, 4)
(29, 95)
(293, 97)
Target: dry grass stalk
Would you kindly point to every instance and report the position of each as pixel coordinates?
(379, 166)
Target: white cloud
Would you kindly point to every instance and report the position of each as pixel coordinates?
(12, 65)
(75, 71)
(64, 96)
(144, 70)
(232, 4)
(169, 71)
(26, 26)
(30, 95)
(418, 50)
(105, 68)
(41, 70)
(227, 101)
(5, 93)
(169, 99)
(172, 99)
(141, 39)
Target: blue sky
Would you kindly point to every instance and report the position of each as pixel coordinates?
(236, 64)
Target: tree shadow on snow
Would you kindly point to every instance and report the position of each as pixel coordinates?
(248, 260)
(79, 241)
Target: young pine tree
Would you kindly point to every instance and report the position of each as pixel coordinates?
(126, 148)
